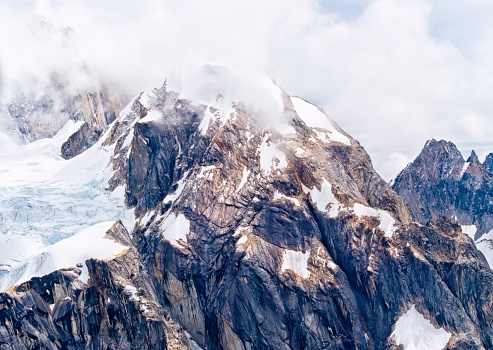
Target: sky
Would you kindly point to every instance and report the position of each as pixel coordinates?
(391, 73)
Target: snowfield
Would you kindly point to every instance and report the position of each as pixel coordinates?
(415, 332)
(44, 198)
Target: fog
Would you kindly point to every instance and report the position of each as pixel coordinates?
(392, 73)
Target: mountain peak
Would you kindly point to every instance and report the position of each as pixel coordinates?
(440, 183)
(488, 162)
(473, 158)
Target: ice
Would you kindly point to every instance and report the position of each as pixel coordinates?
(89, 243)
(176, 228)
(296, 262)
(469, 230)
(44, 198)
(314, 118)
(387, 222)
(415, 332)
(325, 199)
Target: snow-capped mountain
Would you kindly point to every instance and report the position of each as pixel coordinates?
(248, 220)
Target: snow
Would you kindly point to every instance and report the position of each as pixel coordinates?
(146, 97)
(152, 116)
(89, 243)
(176, 228)
(387, 222)
(485, 245)
(315, 118)
(296, 262)
(44, 198)
(469, 230)
(181, 185)
(325, 199)
(271, 157)
(244, 179)
(133, 292)
(415, 332)
(204, 170)
(242, 240)
(464, 168)
(279, 196)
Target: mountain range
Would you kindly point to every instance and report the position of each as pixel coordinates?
(219, 212)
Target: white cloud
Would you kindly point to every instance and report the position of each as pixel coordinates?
(392, 73)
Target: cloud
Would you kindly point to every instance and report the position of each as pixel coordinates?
(392, 73)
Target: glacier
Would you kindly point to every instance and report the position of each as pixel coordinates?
(44, 198)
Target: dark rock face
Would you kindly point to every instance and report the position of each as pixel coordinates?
(58, 311)
(488, 162)
(251, 238)
(440, 183)
(97, 110)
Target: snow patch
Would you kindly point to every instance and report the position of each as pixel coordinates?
(242, 240)
(387, 222)
(279, 196)
(469, 230)
(315, 118)
(296, 262)
(89, 243)
(271, 157)
(464, 168)
(181, 185)
(415, 332)
(325, 199)
(485, 245)
(244, 179)
(175, 229)
(133, 292)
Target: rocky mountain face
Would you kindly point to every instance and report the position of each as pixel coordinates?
(30, 116)
(441, 183)
(257, 224)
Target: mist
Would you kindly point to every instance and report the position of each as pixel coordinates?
(393, 74)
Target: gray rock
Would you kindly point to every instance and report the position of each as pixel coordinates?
(439, 183)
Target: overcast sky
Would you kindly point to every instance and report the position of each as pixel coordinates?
(392, 73)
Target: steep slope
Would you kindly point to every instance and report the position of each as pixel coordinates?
(259, 224)
(440, 183)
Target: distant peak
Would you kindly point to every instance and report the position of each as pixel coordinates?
(488, 162)
(442, 149)
(473, 158)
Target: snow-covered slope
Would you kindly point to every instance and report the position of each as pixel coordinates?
(89, 243)
(415, 332)
(44, 198)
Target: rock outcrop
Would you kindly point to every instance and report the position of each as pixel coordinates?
(117, 309)
(253, 234)
(29, 117)
(440, 183)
